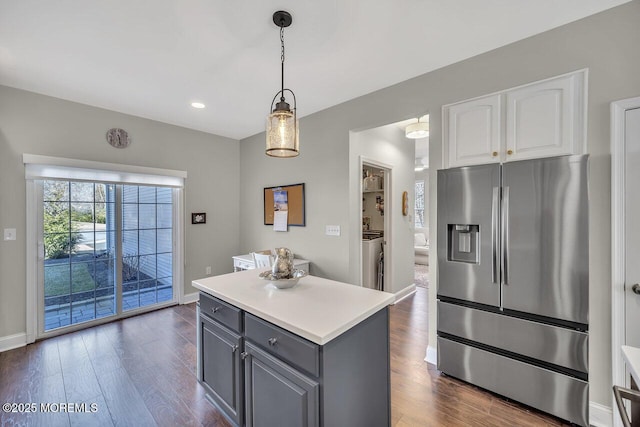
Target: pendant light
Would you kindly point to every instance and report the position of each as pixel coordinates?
(417, 130)
(282, 123)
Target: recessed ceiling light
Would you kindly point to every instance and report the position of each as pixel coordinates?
(197, 105)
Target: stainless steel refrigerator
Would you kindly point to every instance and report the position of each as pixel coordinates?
(513, 281)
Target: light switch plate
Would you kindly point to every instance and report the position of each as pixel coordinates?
(332, 230)
(9, 234)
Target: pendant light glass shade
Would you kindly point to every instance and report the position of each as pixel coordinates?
(282, 134)
(282, 122)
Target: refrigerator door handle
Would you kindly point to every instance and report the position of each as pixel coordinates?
(505, 235)
(495, 231)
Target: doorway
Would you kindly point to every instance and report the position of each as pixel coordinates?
(373, 225)
(422, 248)
(625, 153)
(384, 147)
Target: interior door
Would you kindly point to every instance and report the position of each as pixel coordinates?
(546, 237)
(632, 227)
(468, 200)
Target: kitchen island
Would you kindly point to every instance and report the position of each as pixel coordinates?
(313, 355)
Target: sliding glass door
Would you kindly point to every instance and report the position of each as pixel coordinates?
(146, 246)
(107, 250)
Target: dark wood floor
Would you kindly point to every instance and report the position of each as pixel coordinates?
(141, 372)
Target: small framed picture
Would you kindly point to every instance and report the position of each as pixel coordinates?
(198, 218)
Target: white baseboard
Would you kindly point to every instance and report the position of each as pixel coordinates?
(402, 294)
(432, 355)
(189, 298)
(600, 415)
(13, 341)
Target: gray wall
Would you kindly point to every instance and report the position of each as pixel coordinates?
(606, 43)
(36, 124)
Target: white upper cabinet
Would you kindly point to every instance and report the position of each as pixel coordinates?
(541, 119)
(474, 131)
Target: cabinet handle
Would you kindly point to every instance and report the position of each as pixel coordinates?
(234, 348)
(494, 154)
(636, 289)
(244, 355)
(509, 152)
(215, 309)
(272, 341)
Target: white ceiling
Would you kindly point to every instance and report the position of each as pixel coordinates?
(153, 58)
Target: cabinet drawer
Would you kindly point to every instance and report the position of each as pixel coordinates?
(560, 395)
(564, 347)
(221, 311)
(287, 346)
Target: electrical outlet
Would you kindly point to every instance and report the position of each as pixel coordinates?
(208, 270)
(9, 234)
(332, 230)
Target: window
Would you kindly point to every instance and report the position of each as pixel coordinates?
(102, 243)
(419, 205)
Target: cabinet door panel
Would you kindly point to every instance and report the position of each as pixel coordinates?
(543, 119)
(474, 131)
(222, 367)
(278, 395)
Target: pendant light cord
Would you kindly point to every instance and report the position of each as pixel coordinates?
(282, 60)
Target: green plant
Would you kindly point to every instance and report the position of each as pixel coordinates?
(81, 216)
(58, 242)
(59, 239)
(101, 217)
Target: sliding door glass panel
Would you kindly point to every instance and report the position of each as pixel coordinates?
(79, 246)
(146, 246)
(164, 221)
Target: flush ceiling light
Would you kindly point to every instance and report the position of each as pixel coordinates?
(282, 123)
(197, 105)
(417, 130)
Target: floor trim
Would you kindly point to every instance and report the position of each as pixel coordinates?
(189, 298)
(13, 341)
(432, 355)
(600, 415)
(402, 294)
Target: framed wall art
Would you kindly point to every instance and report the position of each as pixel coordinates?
(199, 218)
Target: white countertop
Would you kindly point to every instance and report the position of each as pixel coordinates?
(632, 357)
(316, 309)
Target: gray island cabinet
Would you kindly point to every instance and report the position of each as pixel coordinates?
(313, 355)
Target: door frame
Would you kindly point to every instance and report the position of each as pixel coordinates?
(35, 251)
(618, 315)
(39, 167)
